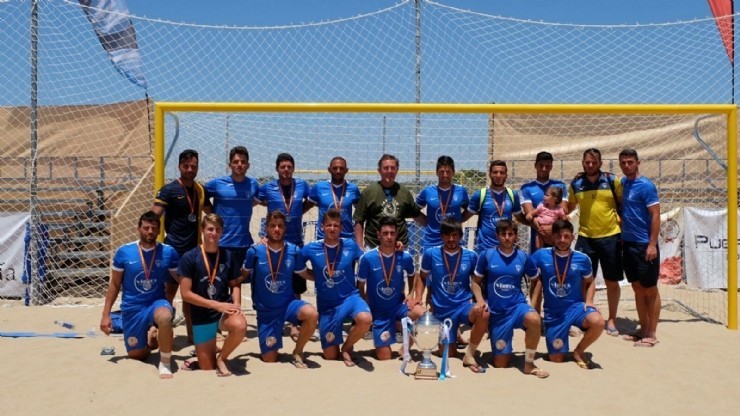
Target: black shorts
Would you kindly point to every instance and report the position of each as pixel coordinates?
(237, 255)
(637, 268)
(299, 285)
(606, 251)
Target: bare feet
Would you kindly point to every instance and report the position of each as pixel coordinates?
(221, 369)
(347, 358)
(297, 361)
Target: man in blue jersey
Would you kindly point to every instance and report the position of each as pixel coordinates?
(333, 261)
(450, 268)
(182, 202)
(290, 196)
(233, 198)
(492, 204)
(271, 267)
(140, 270)
(336, 193)
(501, 270)
(443, 200)
(382, 279)
(640, 229)
(533, 194)
(564, 279)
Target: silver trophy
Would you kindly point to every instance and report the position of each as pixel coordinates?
(427, 334)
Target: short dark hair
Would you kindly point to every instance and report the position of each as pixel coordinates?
(445, 161)
(593, 152)
(387, 221)
(338, 158)
(332, 213)
(274, 215)
(497, 162)
(505, 224)
(543, 156)
(186, 155)
(282, 157)
(388, 156)
(238, 150)
(149, 216)
(450, 226)
(561, 225)
(629, 153)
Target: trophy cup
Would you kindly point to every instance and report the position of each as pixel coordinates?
(427, 334)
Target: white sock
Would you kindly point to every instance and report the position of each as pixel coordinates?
(529, 355)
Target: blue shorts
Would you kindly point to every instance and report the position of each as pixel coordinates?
(384, 325)
(458, 316)
(205, 332)
(270, 325)
(136, 324)
(501, 328)
(330, 322)
(557, 327)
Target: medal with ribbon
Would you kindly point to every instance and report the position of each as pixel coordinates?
(499, 208)
(147, 284)
(288, 204)
(331, 266)
(561, 276)
(387, 274)
(211, 273)
(191, 203)
(452, 273)
(443, 206)
(338, 204)
(274, 271)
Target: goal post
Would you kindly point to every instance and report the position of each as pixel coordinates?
(729, 112)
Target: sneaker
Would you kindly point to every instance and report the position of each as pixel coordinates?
(178, 320)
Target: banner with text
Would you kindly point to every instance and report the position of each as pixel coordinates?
(705, 246)
(12, 232)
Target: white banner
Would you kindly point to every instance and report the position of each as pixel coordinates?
(669, 241)
(706, 243)
(12, 231)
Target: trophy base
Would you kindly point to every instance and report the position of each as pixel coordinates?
(426, 374)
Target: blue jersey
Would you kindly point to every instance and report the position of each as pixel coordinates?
(183, 207)
(272, 289)
(441, 204)
(502, 276)
(272, 193)
(193, 267)
(558, 298)
(332, 290)
(384, 297)
(637, 196)
(233, 202)
(137, 291)
(508, 205)
(534, 193)
(449, 286)
(326, 195)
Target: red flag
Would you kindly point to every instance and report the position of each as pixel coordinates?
(723, 11)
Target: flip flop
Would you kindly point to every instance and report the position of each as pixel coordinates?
(539, 373)
(584, 364)
(632, 337)
(646, 342)
(348, 360)
(189, 365)
(298, 362)
(612, 331)
(315, 336)
(475, 367)
(220, 373)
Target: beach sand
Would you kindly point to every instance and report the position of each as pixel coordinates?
(693, 370)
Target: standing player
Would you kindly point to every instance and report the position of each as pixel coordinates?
(501, 270)
(443, 200)
(640, 229)
(140, 270)
(533, 194)
(336, 193)
(233, 198)
(450, 268)
(597, 194)
(182, 202)
(564, 279)
(207, 273)
(333, 261)
(385, 198)
(271, 267)
(381, 277)
(492, 204)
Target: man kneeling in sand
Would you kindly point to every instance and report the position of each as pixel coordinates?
(140, 269)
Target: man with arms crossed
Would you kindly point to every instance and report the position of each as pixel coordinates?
(450, 268)
(640, 229)
(564, 279)
(381, 280)
(333, 261)
(501, 270)
(336, 193)
(140, 269)
(271, 267)
(597, 194)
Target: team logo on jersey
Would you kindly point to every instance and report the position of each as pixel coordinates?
(557, 343)
(132, 341)
(500, 344)
(158, 263)
(221, 268)
(518, 267)
(455, 197)
(464, 267)
(398, 268)
(503, 288)
(574, 267)
(288, 262)
(329, 337)
(385, 336)
(270, 341)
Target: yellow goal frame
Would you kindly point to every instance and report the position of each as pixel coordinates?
(728, 110)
